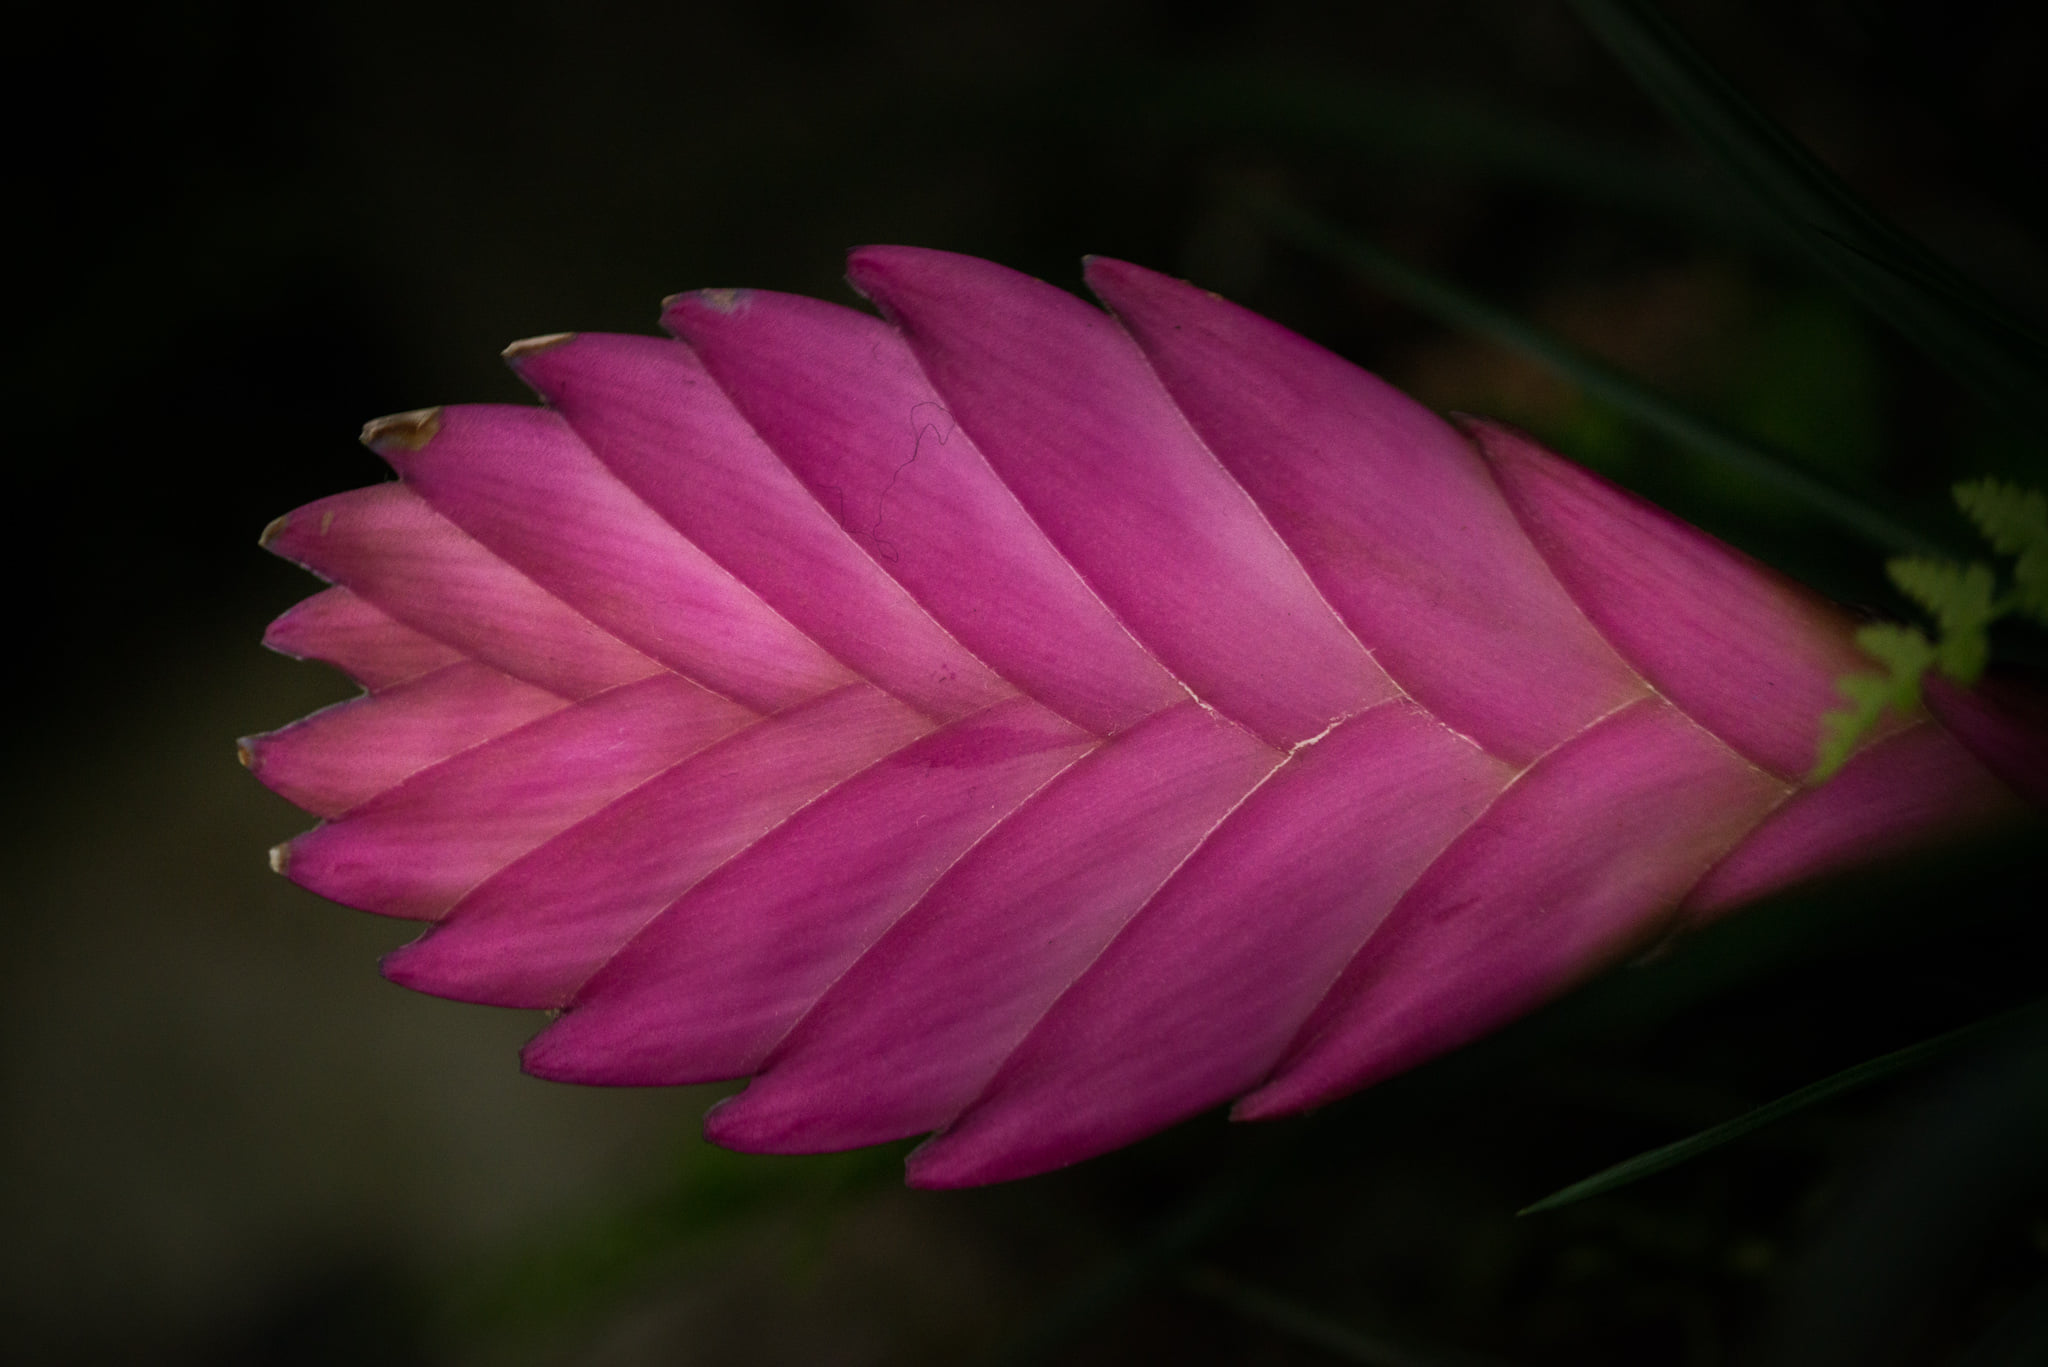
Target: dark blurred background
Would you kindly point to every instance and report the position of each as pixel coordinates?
(246, 228)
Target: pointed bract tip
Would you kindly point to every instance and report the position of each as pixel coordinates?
(404, 431)
(1273, 1101)
(921, 1173)
(535, 1057)
(1246, 1108)
(398, 966)
(937, 1165)
(544, 1057)
(245, 752)
(274, 529)
(281, 859)
(1276, 1099)
(904, 281)
(865, 264)
(1115, 280)
(533, 346)
(682, 314)
(732, 1123)
(723, 301)
(718, 1130)
(1093, 265)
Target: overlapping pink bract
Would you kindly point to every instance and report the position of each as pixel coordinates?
(1038, 725)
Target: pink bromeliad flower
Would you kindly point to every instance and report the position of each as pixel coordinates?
(1036, 725)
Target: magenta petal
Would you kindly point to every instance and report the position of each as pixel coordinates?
(349, 753)
(1581, 858)
(533, 932)
(1037, 726)
(914, 1029)
(522, 483)
(1069, 413)
(387, 546)
(358, 638)
(1901, 793)
(1394, 515)
(1191, 1005)
(658, 422)
(2005, 724)
(711, 984)
(840, 398)
(1749, 654)
(414, 850)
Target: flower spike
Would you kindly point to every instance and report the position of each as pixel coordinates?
(1031, 725)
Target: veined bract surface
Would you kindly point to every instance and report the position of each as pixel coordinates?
(1037, 725)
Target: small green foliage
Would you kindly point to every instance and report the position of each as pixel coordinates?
(1962, 600)
(1959, 599)
(2015, 522)
(1906, 652)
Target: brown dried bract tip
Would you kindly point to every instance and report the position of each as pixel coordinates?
(528, 346)
(274, 529)
(280, 858)
(725, 301)
(412, 431)
(245, 754)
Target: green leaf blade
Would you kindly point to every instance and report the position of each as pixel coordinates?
(1658, 1160)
